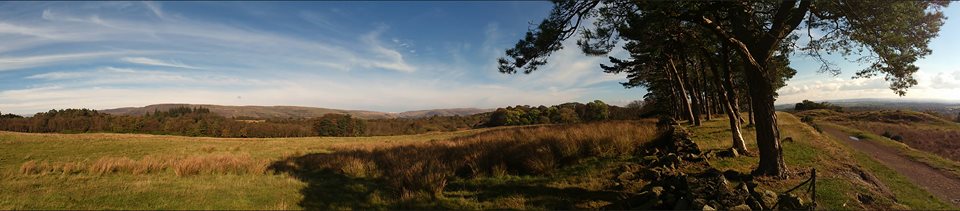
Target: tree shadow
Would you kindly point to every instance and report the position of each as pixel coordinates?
(331, 190)
(541, 195)
(327, 189)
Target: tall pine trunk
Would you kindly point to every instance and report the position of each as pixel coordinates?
(728, 98)
(695, 106)
(768, 134)
(678, 82)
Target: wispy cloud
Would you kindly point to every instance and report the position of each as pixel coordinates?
(15, 63)
(155, 8)
(386, 58)
(155, 62)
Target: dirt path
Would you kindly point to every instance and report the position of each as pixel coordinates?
(936, 182)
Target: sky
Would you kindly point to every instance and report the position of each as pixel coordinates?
(381, 56)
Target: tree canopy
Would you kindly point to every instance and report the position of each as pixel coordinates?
(672, 44)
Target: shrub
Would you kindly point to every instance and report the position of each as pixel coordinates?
(897, 138)
(887, 134)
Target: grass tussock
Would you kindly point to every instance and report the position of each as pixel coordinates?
(427, 167)
(185, 166)
(219, 164)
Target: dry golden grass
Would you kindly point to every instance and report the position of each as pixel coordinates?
(514, 202)
(427, 167)
(191, 165)
(219, 164)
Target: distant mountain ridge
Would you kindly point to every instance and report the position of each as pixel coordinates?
(285, 112)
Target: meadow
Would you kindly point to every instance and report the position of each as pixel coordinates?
(568, 166)
(126, 171)
(130, 171)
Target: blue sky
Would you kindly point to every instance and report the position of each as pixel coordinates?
(384, 56)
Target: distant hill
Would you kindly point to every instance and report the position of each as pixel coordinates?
(881, 104)
(284, 112)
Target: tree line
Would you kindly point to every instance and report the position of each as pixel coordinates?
(200, 121)
(810, 105)
(187, 121)
(563, 114)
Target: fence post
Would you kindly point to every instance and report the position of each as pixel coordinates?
(813, 187)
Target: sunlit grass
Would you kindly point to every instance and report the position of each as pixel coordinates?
(810, 149)
(130, 171)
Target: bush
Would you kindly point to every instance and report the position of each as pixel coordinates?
(810, 105)
(897, 138)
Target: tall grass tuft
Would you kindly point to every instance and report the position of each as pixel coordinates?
(219, 164)
(193, 165)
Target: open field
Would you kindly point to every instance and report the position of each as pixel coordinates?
(532, 167)
(82, 186)
(125, 171)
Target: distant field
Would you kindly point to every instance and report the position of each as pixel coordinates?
(127, 171)
(918, 130)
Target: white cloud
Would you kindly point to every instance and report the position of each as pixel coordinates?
(940, 85)
(14, 63)
(154, 7)
(155, 62)
(386, 58)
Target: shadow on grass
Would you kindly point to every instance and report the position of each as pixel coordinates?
(331, 190)
(327, 189)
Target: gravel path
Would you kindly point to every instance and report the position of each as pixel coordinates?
(935, 181)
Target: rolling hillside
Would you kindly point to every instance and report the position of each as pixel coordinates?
(284, 112)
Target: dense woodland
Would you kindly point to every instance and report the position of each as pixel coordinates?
(201, 122)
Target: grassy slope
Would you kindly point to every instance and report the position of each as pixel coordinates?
(837, 186)
(162, 190)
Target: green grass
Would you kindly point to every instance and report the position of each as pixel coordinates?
(931, 159)
(810, 149)
(162, 190)
(906, 192)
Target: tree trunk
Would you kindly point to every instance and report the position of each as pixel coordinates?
(706, 97)
(738, 143)
(694, 98)
(678, 81)
(749, 108)
(768, 134)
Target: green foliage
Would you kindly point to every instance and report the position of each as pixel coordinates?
(561, 114)
(202, 122)
(338, 125)
(810, 105)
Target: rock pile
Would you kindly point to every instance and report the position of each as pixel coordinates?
(659, 182)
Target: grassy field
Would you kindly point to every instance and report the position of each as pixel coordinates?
(100, 170)
(128, 171)
(536, 167)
